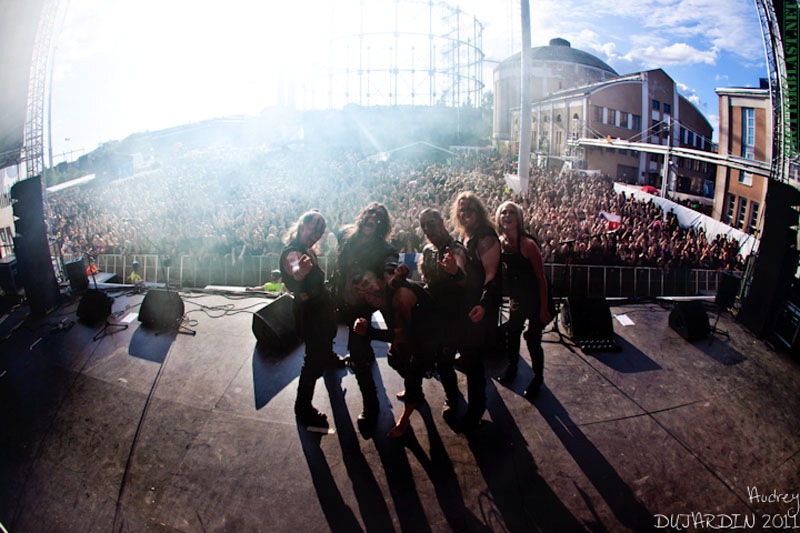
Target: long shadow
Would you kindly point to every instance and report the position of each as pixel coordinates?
(368, 494)
(519, 499)
(630, 360)
(150, 345)
(338, 514)
(613, 489)
(719, 349)
(399, 476)
(272, 373)
(440, 470)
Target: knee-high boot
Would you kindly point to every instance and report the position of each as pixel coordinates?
(369, 395)
(533, 339)
(304, 410)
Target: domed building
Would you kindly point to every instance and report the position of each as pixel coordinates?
(555, 67)
(575, 95)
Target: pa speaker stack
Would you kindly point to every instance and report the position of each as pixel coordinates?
(274, 327)
(587, 321)
(690, 320)
(161, 309)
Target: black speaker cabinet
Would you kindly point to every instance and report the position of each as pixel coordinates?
(76, 273)
(690, 320)
(587, 318)
(94, 306)
(161, 309)
(274, 326)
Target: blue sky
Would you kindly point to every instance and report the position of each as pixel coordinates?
(124, 67)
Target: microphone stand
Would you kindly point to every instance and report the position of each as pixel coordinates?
(104, 331)
(166, 263)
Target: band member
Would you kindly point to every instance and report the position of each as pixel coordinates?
(364, 248)
(527, 286)
(315, 320)
(404, 306)
(482, 296)
(442, 265)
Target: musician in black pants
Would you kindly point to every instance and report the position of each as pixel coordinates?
(315, 320)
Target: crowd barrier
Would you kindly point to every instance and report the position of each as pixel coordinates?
(566, 280)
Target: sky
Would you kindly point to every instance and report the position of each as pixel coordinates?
(126, 67)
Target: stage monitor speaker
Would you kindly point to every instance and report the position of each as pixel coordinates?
(161, 309)
(587, 321)
(76, 273)
(690, 320)
(94, 306)
(274, 327)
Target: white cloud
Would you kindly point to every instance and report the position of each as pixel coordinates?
(691, 31)
(674, 54)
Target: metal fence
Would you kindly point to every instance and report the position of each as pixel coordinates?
(566, 280)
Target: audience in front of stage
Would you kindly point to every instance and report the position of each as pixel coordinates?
(227, 207)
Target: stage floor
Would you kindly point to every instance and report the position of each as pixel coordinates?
(140, 431)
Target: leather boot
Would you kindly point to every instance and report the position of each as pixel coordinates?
(304, 411)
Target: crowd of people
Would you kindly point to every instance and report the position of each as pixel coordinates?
(243, 202)
(475, 237)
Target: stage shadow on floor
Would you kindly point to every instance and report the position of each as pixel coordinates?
(605, 479)
(151, 345)
(519, 499)
(369, 497)
(628, 360)
(439, 467)
(272, 372)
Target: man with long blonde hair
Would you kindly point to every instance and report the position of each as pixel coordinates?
(482, 297)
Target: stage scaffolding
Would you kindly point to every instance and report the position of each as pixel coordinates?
(406, 52)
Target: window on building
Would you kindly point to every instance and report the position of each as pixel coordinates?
(748, 141)
(667, 108)
(682, 134)
(558, 118)
(623, 119)
(636, 122)
(741, 213)
(730, 201)
(748, 129)
(656, 105)
(751, 226)
(598, 114)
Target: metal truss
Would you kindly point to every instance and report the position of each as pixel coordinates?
(33, 146)
(779, 91)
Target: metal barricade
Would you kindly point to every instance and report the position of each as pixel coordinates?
(565, 279)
